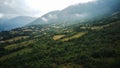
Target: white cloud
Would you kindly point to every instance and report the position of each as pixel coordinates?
(16, 8)
(81, 15)
(1, 15)
(10, 3)
(52, 16)
(78, 15)
(51, 5)
(35, 7)
(5, 3)
(44, 19)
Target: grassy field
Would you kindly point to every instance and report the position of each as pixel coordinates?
(16, 38)
(57, 37)
(78, 35)
(97, 27)
(19, 45)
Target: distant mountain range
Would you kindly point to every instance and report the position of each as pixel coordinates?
(80, 12)
(8, 24)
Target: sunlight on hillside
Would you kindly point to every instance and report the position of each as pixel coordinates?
(78, 35)
(57, 37)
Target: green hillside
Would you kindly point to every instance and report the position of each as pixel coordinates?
(94, 45)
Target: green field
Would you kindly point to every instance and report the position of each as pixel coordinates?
(78, 35)
(57, 37)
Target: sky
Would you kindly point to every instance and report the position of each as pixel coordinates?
(35, 8)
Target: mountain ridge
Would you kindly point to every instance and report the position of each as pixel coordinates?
(79, 12)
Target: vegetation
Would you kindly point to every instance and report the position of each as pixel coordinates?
(57, 37)
(94, 45)
(78, 35)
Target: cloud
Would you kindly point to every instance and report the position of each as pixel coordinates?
(44, 19)
(81, 15)
(54, 16)
(1, 15)
(15, 8)
(50, 5)
(34, 7)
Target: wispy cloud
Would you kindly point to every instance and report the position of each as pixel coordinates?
(1, 15)
(15, 8)
(44, 19)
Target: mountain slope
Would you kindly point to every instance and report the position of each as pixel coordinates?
(80, 12)
(46, 19)
(15, 22)
(87, 46)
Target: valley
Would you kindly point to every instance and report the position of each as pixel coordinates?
(84, 35)
(79, 46)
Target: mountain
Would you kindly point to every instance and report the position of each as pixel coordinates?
(8, 24)
(48, 43)
(52, 46)
(2, 20)
(80, 12)
(46, 19)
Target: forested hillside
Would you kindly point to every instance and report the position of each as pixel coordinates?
(94, 44)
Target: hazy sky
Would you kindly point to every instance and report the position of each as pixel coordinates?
(11, 8)
(49, 5)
